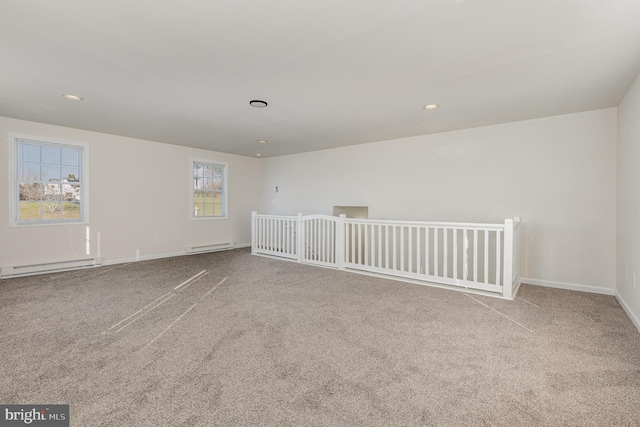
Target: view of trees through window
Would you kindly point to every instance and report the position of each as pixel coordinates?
(49, 182)
(208, 190)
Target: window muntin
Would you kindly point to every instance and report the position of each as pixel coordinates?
(209, 190)
(49, 182)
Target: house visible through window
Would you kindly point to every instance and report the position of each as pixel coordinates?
(49, 182)
(209, 190)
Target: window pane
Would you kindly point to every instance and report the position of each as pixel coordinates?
(29, 211)
(30, 153)
(51, 198)
(51, 212)
(71, 157)
(29, 191)
(208, 171)
(51, 155)
(71, 192)
(51, 203)
(208, 210)
(219, 204)
(70, 210)
(50, 172)
(51, 191)
(70, 173)
(208, 184)
(208, 197)
(217, 184)
(198, 209)
(29, 171)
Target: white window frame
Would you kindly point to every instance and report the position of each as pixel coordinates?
(13, 181)
(225, 190)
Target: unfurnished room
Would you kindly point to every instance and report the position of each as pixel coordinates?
(320, 213)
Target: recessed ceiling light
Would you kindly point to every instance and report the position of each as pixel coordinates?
(257, 103)
(262, 141)
(430, 106)
(258, 155)
(72, 97)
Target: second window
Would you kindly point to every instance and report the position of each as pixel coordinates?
(209, 190)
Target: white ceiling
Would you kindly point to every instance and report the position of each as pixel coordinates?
(334, 72)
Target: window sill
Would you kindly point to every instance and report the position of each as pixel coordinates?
(204, 218)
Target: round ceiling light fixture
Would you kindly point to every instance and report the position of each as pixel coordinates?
(258, 155)
(71, 97)
(431, 106)
(262, 141)
(257, 103)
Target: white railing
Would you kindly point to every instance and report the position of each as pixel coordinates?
(319, 237)
(480, 257)
(275, 235)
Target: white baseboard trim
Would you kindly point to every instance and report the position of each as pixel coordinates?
(49, 267)
(160, 256)
(141, 258)
(568, 286)
(241, 245)
(628, 310)
(107, 262)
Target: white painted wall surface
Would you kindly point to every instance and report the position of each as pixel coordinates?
(557, 173)
(628, 199)
(138, 189)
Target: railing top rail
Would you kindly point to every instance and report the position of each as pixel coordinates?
(427, 223)
(320, 216)
(480, 226)
(275, 216)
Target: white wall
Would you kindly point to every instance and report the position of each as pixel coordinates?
(557, 173)
(138, 189)
(628, 212)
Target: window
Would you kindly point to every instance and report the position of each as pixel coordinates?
(49, 184)
(209, 190)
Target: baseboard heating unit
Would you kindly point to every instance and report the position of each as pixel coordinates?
(200, 249)
(49, 267)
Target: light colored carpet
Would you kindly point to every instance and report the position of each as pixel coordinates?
(282, 344)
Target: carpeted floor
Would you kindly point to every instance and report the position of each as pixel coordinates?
(256, 341)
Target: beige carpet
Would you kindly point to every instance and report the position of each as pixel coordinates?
(256, 341)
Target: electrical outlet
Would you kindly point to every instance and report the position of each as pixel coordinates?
(156, 238)
(633, 275)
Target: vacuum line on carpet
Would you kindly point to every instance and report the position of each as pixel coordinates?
(501, 314)
(164, 298)
(528, 302)
(172, 323)
(197, 276)
(146, 312)
(214, 288)
(193, 281)
(185, 313)
(143, 308)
